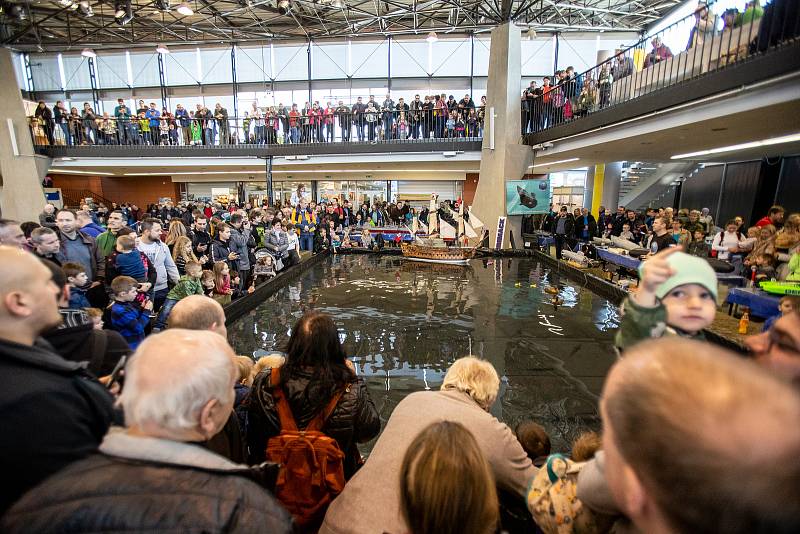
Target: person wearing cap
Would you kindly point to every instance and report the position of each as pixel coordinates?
(677, 295)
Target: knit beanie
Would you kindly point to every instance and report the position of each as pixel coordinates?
(687, 270)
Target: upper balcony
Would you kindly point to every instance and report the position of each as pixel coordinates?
(215, 134)
(725, 57)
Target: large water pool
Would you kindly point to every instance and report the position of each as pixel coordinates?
(404, 322)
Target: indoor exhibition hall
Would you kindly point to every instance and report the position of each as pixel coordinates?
(400, 266)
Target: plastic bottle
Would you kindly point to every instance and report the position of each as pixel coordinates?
(744, 322)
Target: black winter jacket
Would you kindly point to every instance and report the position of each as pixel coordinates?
(354, 420)
(53, 413)
(106, 493)
(101, 349)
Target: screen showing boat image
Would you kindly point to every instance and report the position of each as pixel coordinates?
(526, 197)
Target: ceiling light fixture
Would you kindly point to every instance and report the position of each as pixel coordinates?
(743, 146)
(553, 162)
(162, 49)
(432, 37)
(338, 4)
(88, 52)
(185, 9)
(86, 8)
(283, 7)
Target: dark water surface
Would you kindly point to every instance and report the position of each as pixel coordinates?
(403, 323)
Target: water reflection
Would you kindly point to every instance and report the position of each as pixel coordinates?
(404, 323)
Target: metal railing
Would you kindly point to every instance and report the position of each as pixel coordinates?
(322, 126)
(714, 42)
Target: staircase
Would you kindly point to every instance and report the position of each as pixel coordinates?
(73, 198)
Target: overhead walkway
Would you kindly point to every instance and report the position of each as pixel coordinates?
(730, 86)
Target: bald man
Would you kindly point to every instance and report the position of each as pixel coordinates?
(198, 312)
(152, 475)
(52, 411)
(11, 234)
(778, 348)
(696, 439)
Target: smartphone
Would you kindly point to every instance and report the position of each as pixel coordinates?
(116, 373)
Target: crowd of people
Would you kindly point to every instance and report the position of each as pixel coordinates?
(427, 117)
(182, 434)
(567, 95)
(767, 250)
(110, 342)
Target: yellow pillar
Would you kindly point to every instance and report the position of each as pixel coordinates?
(597, 189)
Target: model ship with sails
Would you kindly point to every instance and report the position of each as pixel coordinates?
(433, 249)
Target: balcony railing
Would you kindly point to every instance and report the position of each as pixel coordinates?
(714, 43)
(381, 126)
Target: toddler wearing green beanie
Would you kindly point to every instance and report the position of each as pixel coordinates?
(677, 295)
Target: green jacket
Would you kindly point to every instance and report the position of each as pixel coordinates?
(640, 323)
(186, 286)
(106, 243)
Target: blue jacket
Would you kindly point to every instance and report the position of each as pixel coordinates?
(77, 298)
(153, 115)
(129, 319)
(182, 116)
(93, 229)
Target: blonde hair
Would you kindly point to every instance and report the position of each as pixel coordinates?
(270, 361)
(446, 484)
(178, 249)
(176, 230)
(475, 377)
(244, 366)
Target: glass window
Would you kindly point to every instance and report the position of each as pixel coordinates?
(253, 64)
(481, 57)
(450, 58)
(410, 58)
(216, 65)
(44, 69)
(291, 62)
(369, 59)
(144, 67)
(537, 57)
(76, 72)
(181, 67)
(579, 53)
(328, 61)
(112, 70)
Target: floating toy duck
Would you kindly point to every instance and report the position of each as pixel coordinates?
(551, 290)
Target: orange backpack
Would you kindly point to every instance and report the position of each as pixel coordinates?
(311, 463)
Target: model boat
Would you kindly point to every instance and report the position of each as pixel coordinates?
(434, 249)
(525, 198)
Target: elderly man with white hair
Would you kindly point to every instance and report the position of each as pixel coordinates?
(151, 476)
(370, 501)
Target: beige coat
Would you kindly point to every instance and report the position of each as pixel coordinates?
(370, 502)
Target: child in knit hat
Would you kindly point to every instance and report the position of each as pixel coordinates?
(677, 296)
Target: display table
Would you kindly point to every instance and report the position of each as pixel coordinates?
(618, 259)
(761, 304)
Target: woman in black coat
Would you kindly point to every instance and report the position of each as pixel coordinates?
(44, 115)
(316, 369)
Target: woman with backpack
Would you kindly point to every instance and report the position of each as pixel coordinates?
(324, 398)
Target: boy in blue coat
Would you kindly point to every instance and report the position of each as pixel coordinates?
(128, 317)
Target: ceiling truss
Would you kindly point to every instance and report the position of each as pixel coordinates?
(49, 25)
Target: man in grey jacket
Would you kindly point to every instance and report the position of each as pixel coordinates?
(278, 242)
(158, 254)
(241, 242)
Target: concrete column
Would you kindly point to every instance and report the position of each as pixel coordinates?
(21, 171)
(503, 157)
(611, 183)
